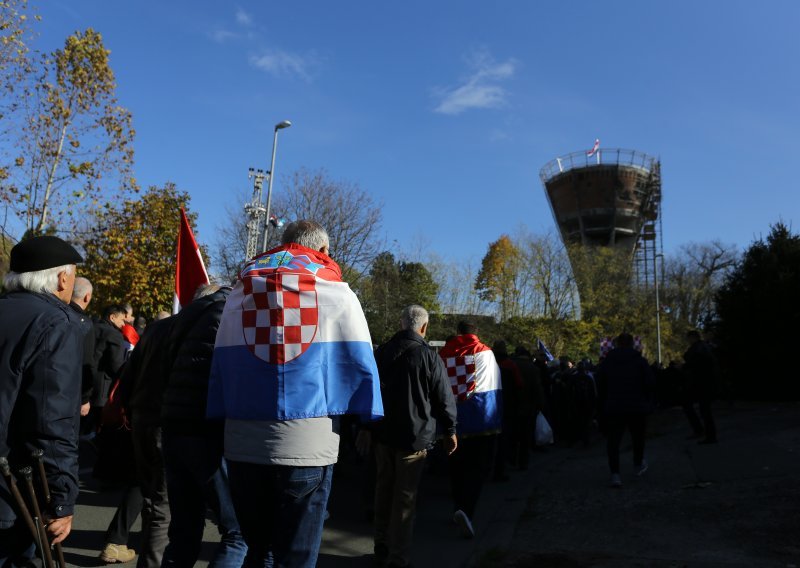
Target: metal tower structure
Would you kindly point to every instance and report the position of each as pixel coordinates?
(256, 212)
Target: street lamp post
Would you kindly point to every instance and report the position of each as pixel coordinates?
(279, 126)
(658, 306)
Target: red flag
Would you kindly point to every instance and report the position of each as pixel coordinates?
(190, 271)
(595, 148)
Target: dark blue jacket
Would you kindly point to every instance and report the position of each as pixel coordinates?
(145, 375)
(41, 353)
(625, 383)
(109, 358)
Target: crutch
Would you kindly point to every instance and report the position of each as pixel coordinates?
(37, 456)
(27, 473)
(14, 490)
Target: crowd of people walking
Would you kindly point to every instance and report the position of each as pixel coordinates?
(238, 405)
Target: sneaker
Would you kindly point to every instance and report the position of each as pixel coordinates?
(464, 524)
(114, 553)
(642, 468)
(616, 480)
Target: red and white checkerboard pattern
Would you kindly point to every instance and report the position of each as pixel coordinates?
(461, 371)
(607, 344)
(279, 315)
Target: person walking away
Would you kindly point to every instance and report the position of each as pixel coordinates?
(293, 353)
(417, 395)
(702, 378)
(81, 297)
(142, 383)
(531, 403)
(41, 346)
(626, 385)
(511, 394)
(475, 381)
(115, 461)
(109, 357)
(582, 404)
(196, 473)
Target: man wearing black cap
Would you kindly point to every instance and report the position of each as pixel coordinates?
(41, 346)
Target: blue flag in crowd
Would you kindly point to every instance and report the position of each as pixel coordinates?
(543, 348)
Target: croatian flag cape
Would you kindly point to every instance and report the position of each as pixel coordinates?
(475, 379)
(293, 343)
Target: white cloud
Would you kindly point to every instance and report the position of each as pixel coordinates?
(221, 35)
(243, 18)
(279, 62)
(480, 89)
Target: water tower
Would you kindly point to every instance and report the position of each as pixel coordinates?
(609, 198)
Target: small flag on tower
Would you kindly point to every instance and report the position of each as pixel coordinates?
(190, 271)
(595, 148)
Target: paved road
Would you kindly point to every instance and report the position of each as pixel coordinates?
(732, 504)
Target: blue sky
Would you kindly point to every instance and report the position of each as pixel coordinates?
(445, 111)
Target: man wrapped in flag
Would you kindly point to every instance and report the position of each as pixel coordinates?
(292, 354)
(475, 379)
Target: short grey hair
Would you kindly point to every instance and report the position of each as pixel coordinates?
(309, 234)
(414, 317)
(41, 281)
(82, 287)
(205, 290)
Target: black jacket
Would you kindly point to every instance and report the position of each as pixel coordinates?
(40, 387)
(88, 369)
(109, 358)
(702, 372)
(532, 395)
(416, 394)
(190, 349)
(145, 375)
(625, 383)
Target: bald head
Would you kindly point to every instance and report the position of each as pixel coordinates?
(82, 292)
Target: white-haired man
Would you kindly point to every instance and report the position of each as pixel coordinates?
(41, 343)
(416, 395)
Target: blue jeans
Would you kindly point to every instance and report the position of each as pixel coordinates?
(281, 510)
(197, 478)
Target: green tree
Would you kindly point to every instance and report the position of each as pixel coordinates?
(498, 279)
(75, 140)
(758, 311)
(391, 286)
(130, 253)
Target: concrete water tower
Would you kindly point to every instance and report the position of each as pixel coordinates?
(609, 198)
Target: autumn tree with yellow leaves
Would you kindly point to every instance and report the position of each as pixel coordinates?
(498, 279)
(130, 253)
(74, 142)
